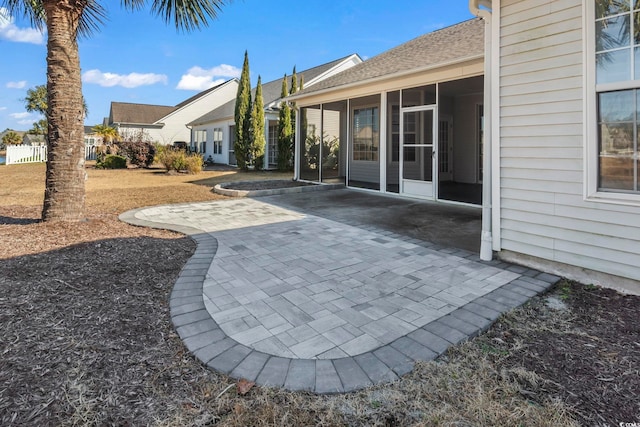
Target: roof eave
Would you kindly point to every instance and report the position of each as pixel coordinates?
(157, 125)
(296, 97)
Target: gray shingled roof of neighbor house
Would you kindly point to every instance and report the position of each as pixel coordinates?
(450, 44)
(271, 92)
(125, 112)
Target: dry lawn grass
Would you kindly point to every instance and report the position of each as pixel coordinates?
(87, 338)
(116, 191)
(108, 194)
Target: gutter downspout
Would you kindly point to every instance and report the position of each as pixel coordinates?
(296, 147)
(190, 134)
(486, 240)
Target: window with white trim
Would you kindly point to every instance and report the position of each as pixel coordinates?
(217, 141)
(617, 78)
(273, 143)
(201, 141)
(366, 134)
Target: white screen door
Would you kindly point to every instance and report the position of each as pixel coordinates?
(418, 152)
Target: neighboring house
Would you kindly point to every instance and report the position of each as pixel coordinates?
(90, 137)
(213, 132)
(166, 124)
(32, 139)
(547, 143)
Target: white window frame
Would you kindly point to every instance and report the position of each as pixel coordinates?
(217, 140)
(200, 141)
(590, 117)
(272, 142)
(352, 126)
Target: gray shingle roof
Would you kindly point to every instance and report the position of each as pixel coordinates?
(463, 40)
(124, 112)
(270, 92)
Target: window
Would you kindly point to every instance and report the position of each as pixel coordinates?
(618, 125)
(617, 40)
(273, 143)
(366, 134)
(409, 135)
(217, 141)
(395, 133)
(617, 78)
(200, 145)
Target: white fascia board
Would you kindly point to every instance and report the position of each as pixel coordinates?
(393, 76)
(199, 98)
(331, 70)
(155, 125)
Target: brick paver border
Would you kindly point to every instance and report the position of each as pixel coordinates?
(209, 343)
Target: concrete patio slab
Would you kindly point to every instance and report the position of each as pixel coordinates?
(323, 299)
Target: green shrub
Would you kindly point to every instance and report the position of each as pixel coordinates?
(112, 161)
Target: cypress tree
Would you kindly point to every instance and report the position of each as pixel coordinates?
(292, 105)
(284, 130)
(294, 82)
(242, 116)
(258, 142)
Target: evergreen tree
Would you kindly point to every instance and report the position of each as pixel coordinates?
(242, 116)
(258, 141)
(284, 130)
(294, 82)
(292, 106)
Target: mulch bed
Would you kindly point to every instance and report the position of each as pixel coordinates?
(589, 352)
(587, 347)
(87, 340)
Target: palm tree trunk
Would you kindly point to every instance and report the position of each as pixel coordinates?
(64, 197)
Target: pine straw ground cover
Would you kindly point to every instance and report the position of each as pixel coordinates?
(87, 338)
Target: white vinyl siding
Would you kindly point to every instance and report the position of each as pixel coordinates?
(172, 128)
(543, 211)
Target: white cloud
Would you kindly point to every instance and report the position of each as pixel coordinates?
(198, 78)
(24, 118)
(3, 108)
(22, 115)
(130, 80)
(10, 31)
(17, 85)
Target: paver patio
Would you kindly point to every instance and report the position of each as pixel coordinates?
(289, 299)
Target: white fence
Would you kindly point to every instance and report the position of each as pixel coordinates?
(90, 152)
(38, 153)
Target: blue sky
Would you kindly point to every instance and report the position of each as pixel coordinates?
(135, 57)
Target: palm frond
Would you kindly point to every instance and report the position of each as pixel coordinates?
(92, 17)
(132, 5)
(31, 10)
(186, 14)
(92, 14)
